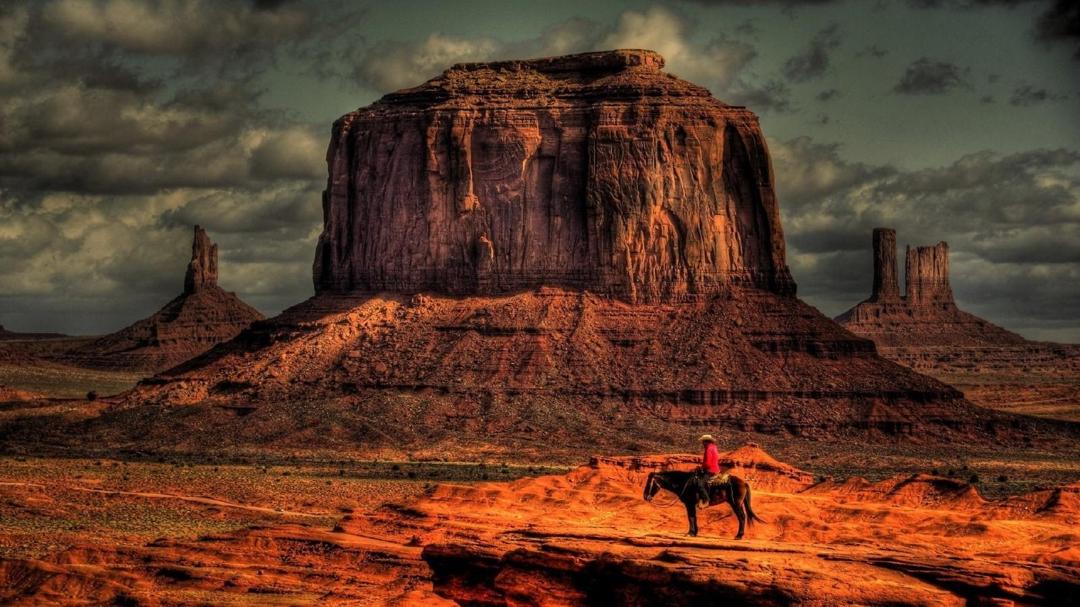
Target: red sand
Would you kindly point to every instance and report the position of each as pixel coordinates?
(569, 539)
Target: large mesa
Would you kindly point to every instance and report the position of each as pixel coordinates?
(595, 171)
(569, 251)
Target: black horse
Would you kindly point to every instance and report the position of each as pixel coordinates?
(688, 487)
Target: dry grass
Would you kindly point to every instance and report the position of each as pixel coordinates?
(48, 504)
(60, 381)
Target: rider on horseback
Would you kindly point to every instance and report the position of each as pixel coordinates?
(710, 469)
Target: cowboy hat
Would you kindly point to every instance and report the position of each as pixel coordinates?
(707, 438)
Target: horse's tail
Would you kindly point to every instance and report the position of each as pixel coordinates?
(750, 516)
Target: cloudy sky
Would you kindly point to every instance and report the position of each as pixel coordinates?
(123, 122)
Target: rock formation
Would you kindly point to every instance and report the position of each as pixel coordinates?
(518, 244)
(926, 313)
(595, 171)
(202, 272)
(201, 317)
(926, 275)
(925, 330)
(886, 284)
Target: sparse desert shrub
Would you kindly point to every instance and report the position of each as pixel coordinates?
(91, 396)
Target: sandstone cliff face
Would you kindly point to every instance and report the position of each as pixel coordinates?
(886, 285)
(202, 270)
(594, 171)
(927, 275)
(201, 317)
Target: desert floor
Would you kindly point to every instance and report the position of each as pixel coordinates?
(100, 515)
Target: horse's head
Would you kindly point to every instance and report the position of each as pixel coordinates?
(651, 487)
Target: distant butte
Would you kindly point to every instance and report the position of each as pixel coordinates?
(201, 317)
(924, 329)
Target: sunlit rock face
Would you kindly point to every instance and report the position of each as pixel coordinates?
(596, 171)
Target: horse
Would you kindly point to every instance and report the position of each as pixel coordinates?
(687, 487)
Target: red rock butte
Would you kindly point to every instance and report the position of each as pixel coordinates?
(566, 249)
(595, 171)
(926, 314)
(924, 329)
(201, 317)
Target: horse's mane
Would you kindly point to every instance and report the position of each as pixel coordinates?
(680, 474)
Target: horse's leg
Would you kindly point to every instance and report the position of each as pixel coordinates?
(691, 516)
(740, 513)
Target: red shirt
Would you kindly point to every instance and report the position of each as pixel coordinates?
(710, 461)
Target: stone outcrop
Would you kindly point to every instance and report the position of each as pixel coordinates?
(595, 171)
(202, 270)
(926, 313)
(926, 276)
(588, 538)
(925, 330)
(589, 534)
(886, 284)
(201, 317)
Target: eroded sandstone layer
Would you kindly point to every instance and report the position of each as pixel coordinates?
(201, 317)
(925, 330)
(595, 171)
(588, 538)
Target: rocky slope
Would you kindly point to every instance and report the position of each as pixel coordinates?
(588, 538)
(925, 330)
(201, 317)
(521, 366)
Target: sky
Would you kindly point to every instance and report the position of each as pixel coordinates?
(124, 122)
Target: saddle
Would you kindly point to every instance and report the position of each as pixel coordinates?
(712, 483)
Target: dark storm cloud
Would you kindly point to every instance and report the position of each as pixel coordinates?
(873, 51)
(1058, 21)
(1010, 220)
(190, 28)
(929, 77)
(103, 167)
(772, 96)
(811, 62)
(764, 3)
(1027, 95)
(720, 62)
(1061, 23)
(828, 95)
